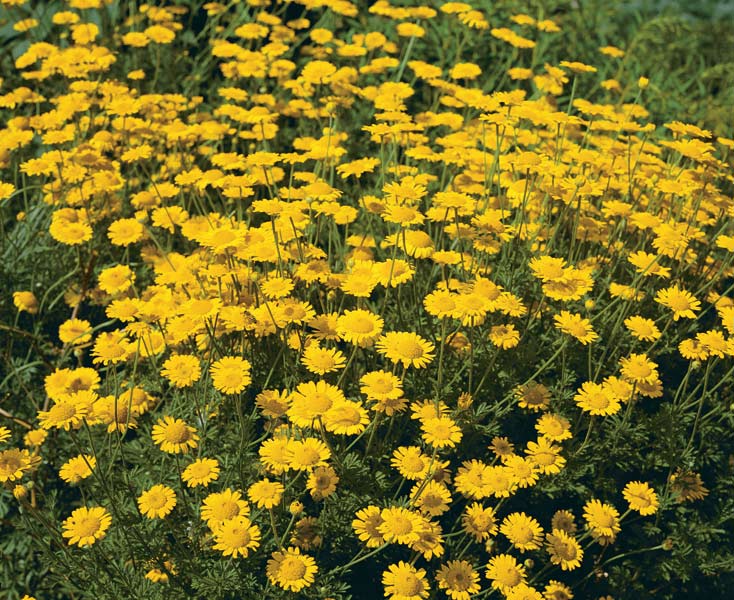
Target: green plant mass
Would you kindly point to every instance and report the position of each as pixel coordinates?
(344, 300)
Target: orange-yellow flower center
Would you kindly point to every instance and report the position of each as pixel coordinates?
(178, 433)
(407, 584)
(87, 526)
(292, 569)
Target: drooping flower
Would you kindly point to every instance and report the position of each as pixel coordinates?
(641, 497)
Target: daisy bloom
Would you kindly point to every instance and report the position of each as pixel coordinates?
(124, 232)
(312, 400)
(596, 399)
(381, 385)
(400, 525)
(308, 453)
(86, 525)
(505, 572)
(406, 347)
(638, 368)
(13, 463)
(411, 462)
(291, 570)
(201, 472)
(359, 326)
(687, 486)
(564, 550)
(564, 520)
(545, 455)
(555, 590)
(641, 497)
(643, 329)
(430, 541)
(157, 502)
(321, 361)
(64, 414)
(458, 579)
(110, 348)
(277, 287)
(236, 537)
(441, 432)
(602, 519)
(114, 280)
(346, 418)
(35, 437)
(548, 268)
(404, 582)
(533, 396)
(174, 435)
(504, 336)
(266, 493)
(305, 533)
(219, 507)
(322, 482)
(473, 479)
(366, 525)
(693, 349)
(432, 498)
(77, 468)
(524, 532)
(479, 521)
(524, 471)
(231, 374)
(440, 303)
(502, 448)
(75, 331)
(682, 303)
(576, 326)
(554, 427)
(272, 403)
(714, 343)
(25, 301)
(182, 370)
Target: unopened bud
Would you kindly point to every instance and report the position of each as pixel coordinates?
(296, 508)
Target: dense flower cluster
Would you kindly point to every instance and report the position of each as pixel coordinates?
(354, 304)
